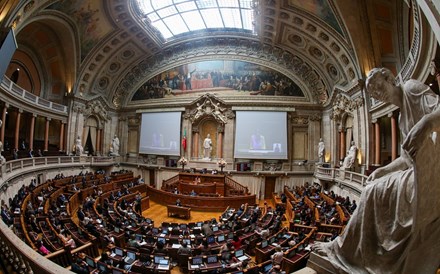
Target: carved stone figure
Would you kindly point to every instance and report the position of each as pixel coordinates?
(78, 147)
(351, 156)
(115, 146)
(321, 151)
(207, 147)
(396, 226)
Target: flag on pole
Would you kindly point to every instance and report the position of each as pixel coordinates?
(184, 140)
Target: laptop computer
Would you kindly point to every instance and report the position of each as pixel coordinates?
(102, 267)
(196, 261)
(220, 238)
(90, 262)
(117, 252)
(212, 259)
(239, 254)
(267, 268)
(157, 259)
(130, 258)
(164, 264)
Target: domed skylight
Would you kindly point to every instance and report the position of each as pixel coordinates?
(174, 17)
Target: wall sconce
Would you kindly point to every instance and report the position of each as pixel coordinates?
(359, 157)
(327, 157)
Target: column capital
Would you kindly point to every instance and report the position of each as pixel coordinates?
(48, 119)
(34, 115)
(374, 121)
(391, 115)
(19, 110)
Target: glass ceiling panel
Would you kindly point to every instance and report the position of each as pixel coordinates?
(228, 3)
(163, 29)
(206, 3)
(175, 24)
(161, 3)
(231, 18)
(186, 6)
(212, 18)
(173, 17)
(193, 20)
(171, 10)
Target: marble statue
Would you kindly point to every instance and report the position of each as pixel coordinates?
(396, 226)
(78, 147)
(351, 156)
(207, 147)
(114, 150)
(321, 151)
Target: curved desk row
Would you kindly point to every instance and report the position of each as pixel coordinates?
(200, 202)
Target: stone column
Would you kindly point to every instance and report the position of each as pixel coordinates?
(393, 136)
(31, 132)
(98, 141)
(2, 130)
(220, 145)
(62, 136)
(46, 135)
(17, 128)
(342, 150)
(376, 142)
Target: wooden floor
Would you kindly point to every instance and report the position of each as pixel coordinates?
(158, 213)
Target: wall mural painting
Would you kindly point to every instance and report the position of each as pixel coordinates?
(91, 22)
(222, 76)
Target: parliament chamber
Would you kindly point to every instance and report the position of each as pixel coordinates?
(238, 136)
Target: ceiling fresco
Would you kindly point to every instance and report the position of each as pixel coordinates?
(319, 8)
(91, 21)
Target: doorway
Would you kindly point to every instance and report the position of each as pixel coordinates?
(269, 186)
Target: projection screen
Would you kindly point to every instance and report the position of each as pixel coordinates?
(160, 133)
(261, 135)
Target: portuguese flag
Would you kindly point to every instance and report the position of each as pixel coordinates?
(184, 140)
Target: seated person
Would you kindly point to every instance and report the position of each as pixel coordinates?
(133, 242)
(277, 257)
(178, 202)
(160, 249)
(184, 249)
(79, 266)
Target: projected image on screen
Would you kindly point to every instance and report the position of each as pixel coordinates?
(160, 133)
(261, 135)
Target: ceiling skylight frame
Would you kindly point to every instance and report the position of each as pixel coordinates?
(177, 17)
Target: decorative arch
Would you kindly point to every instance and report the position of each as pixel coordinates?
(301, 72)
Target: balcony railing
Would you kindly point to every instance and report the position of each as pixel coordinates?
(22, 258)
(350, 179)
(21, 94)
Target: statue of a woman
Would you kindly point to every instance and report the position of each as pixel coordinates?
(396, 226)
(78, 147)
(115, 146)
(207, 147)
(351, 156)
(321, 151)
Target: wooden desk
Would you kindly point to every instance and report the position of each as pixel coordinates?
(181, 211)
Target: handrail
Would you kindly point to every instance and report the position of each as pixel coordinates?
(22, 94)
(350, 179)
(11, 169)
(236, 186)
